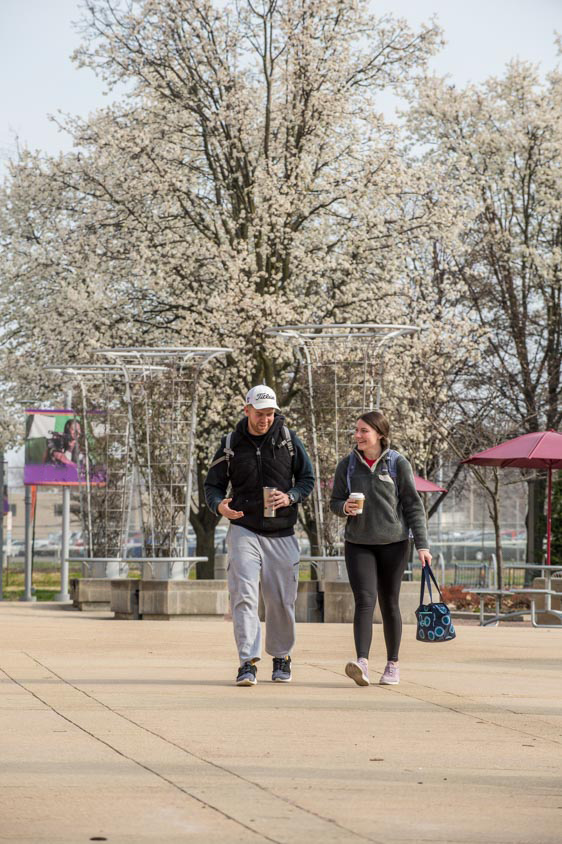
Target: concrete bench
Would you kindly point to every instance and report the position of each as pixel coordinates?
(555, 585)
(161, 600)
(90, 593)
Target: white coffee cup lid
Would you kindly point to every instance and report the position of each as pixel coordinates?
(356, 495)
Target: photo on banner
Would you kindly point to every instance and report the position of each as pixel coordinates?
(56, 452)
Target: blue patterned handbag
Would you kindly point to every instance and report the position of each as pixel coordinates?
(434, 620)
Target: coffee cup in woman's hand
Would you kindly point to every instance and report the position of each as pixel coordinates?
(354, 504)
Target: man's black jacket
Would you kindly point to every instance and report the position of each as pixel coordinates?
(258, 462)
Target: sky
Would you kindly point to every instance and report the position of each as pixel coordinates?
(37, 38)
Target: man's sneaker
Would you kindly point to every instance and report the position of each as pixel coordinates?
(247, 675)
(358, 671)
(281, 669)
(391, 676)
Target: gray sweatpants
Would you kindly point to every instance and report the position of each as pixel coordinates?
(276, 561)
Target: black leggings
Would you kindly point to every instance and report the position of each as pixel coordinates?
(373, 568)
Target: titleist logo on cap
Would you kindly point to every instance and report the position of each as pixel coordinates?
(262, 397)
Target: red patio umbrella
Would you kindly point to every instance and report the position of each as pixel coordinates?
(542, 450)
(422, 485)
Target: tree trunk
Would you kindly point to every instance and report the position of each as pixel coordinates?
(204, 523)
(494, 511)
(556, 542)
(535, 522)
(499, 550)
(536, 528)
(206, 548)
(308, 522)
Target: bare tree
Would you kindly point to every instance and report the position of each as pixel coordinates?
(499, 147)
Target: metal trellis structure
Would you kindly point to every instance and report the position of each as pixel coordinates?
(161, 386)
(140, 433)
(342, 376)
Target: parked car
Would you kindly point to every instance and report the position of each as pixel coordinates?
(135, 548)
(17, 548)
(177, 548)
(220, 539)
(54, 541)
(304, 545)
(42, 547)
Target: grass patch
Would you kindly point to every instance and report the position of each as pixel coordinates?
(44, 584)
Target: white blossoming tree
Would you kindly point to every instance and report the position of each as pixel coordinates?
(500, 145)
(246, 179)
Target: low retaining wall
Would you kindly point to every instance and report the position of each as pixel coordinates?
(90, 593)
(310, 602)
(338, 602)
(125, 598)
(317, 600)
(339, 605)
(160, 600)
(556, 586)
(409, 602)
(165, 599)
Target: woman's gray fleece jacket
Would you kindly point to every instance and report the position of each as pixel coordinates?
(391, 509)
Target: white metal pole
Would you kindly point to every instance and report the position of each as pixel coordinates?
(64, 595)
(190, 458)
(9, 526)
(2, 525)
(441, 564)
(317, 492)
(131, 465)
(87, 467)
(27, 594)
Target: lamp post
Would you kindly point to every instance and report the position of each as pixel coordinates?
(28, 536)
(64, 596)
(28, 575)
(2, 527)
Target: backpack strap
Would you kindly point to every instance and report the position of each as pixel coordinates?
(391, 463)
(350, 469)
(228, 451)
(391, 460)
(288, 441)
(228, 454)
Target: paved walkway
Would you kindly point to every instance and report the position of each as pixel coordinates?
(133, 732)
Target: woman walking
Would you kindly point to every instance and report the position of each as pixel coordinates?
(376, 537)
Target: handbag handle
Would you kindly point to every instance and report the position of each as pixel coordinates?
(427, 577)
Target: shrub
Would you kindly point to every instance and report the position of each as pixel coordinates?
(457, 599)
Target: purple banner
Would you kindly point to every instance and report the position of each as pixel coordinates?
(55, 450)
(67, 475)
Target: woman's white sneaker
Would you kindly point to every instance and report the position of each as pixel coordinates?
(358, 671)
(391, 675)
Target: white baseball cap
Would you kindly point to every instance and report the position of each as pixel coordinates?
(261, 397)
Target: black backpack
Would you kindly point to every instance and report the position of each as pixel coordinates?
(229, 451)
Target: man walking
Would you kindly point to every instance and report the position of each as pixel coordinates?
(261, 452)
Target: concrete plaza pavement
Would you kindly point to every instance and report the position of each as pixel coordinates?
(132, 731)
